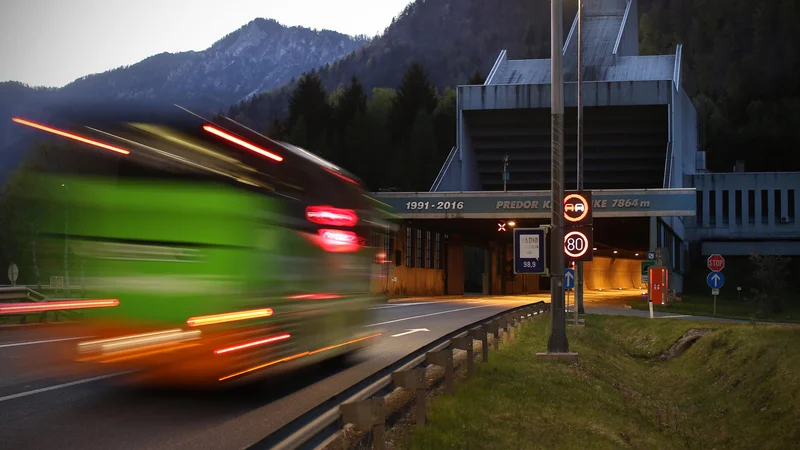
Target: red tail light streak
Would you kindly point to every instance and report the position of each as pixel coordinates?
(72, 136)
(338, 241)
(328, 215)
(242, 143)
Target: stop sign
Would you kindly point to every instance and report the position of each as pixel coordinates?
(716, 262)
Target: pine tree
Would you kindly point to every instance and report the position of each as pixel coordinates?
(416, 94)
(476, 78)
(309, 102)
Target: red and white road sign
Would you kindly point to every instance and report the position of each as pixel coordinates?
(716, 262)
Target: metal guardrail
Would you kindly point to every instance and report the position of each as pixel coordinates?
(443, 170)
(20, 293)
(322, 425)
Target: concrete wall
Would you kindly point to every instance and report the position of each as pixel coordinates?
(612, 273)
(455, 269)
(741, 218)
(683, 137)
(517, 96)
(468, 166)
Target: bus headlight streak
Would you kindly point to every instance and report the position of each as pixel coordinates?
(214, 319)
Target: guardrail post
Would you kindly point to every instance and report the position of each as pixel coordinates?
(413, 379)
(465, 343)
(495, 330)
(444, 358)
(481, 335)
(510, 327)
(368, 415)
(502, 326)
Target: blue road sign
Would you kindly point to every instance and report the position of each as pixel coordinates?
(651, 256)
(529, 250)
(569, 279)
(715, 280)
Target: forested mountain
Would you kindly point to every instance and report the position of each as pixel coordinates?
(450, 39)
(742, 70)
(740, 67)
(260, 56)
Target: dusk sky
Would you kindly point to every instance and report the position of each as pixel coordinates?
(52, 42)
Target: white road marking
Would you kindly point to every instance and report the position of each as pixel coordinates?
(431, 314)
(671, 317)
(17, 344)
(415, 330)
(397, 305)
(61, 386)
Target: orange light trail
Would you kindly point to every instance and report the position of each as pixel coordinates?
(293, 357)
(252, 344)
(70, 136)
(17, 308)
(314, 297)
(214, 319)
(245, 144)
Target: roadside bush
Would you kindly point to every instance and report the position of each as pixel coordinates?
(770, 286)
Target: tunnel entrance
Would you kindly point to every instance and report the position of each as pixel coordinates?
(475, 257)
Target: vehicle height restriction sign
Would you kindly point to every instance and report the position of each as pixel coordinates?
(529, 250)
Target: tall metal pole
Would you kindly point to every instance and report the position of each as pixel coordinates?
(557, 343)
(579, 265)
(66, 243)
(505, 172)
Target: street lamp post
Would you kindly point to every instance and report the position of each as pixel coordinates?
(557, 343)
(66, 243)
(579, 265)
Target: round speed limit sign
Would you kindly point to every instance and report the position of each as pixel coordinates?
(576, 244)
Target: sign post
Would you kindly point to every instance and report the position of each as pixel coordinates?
(13, 273)
(715, 279)
(569, 284)
(578, 238)
(529, 250)
(645, 272)
(557, 342)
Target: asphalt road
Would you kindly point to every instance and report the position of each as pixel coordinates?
(45, 405)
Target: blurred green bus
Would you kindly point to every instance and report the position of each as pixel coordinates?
(206, 251)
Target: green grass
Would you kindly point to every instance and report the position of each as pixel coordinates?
(703, 305)
(737, 387)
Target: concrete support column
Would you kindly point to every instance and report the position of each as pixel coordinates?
(771, 209)
(745, 209)
(653, 233)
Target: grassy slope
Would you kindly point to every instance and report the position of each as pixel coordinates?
(700, 305)
(738, 387)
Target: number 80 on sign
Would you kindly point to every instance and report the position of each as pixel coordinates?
(578, 244)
